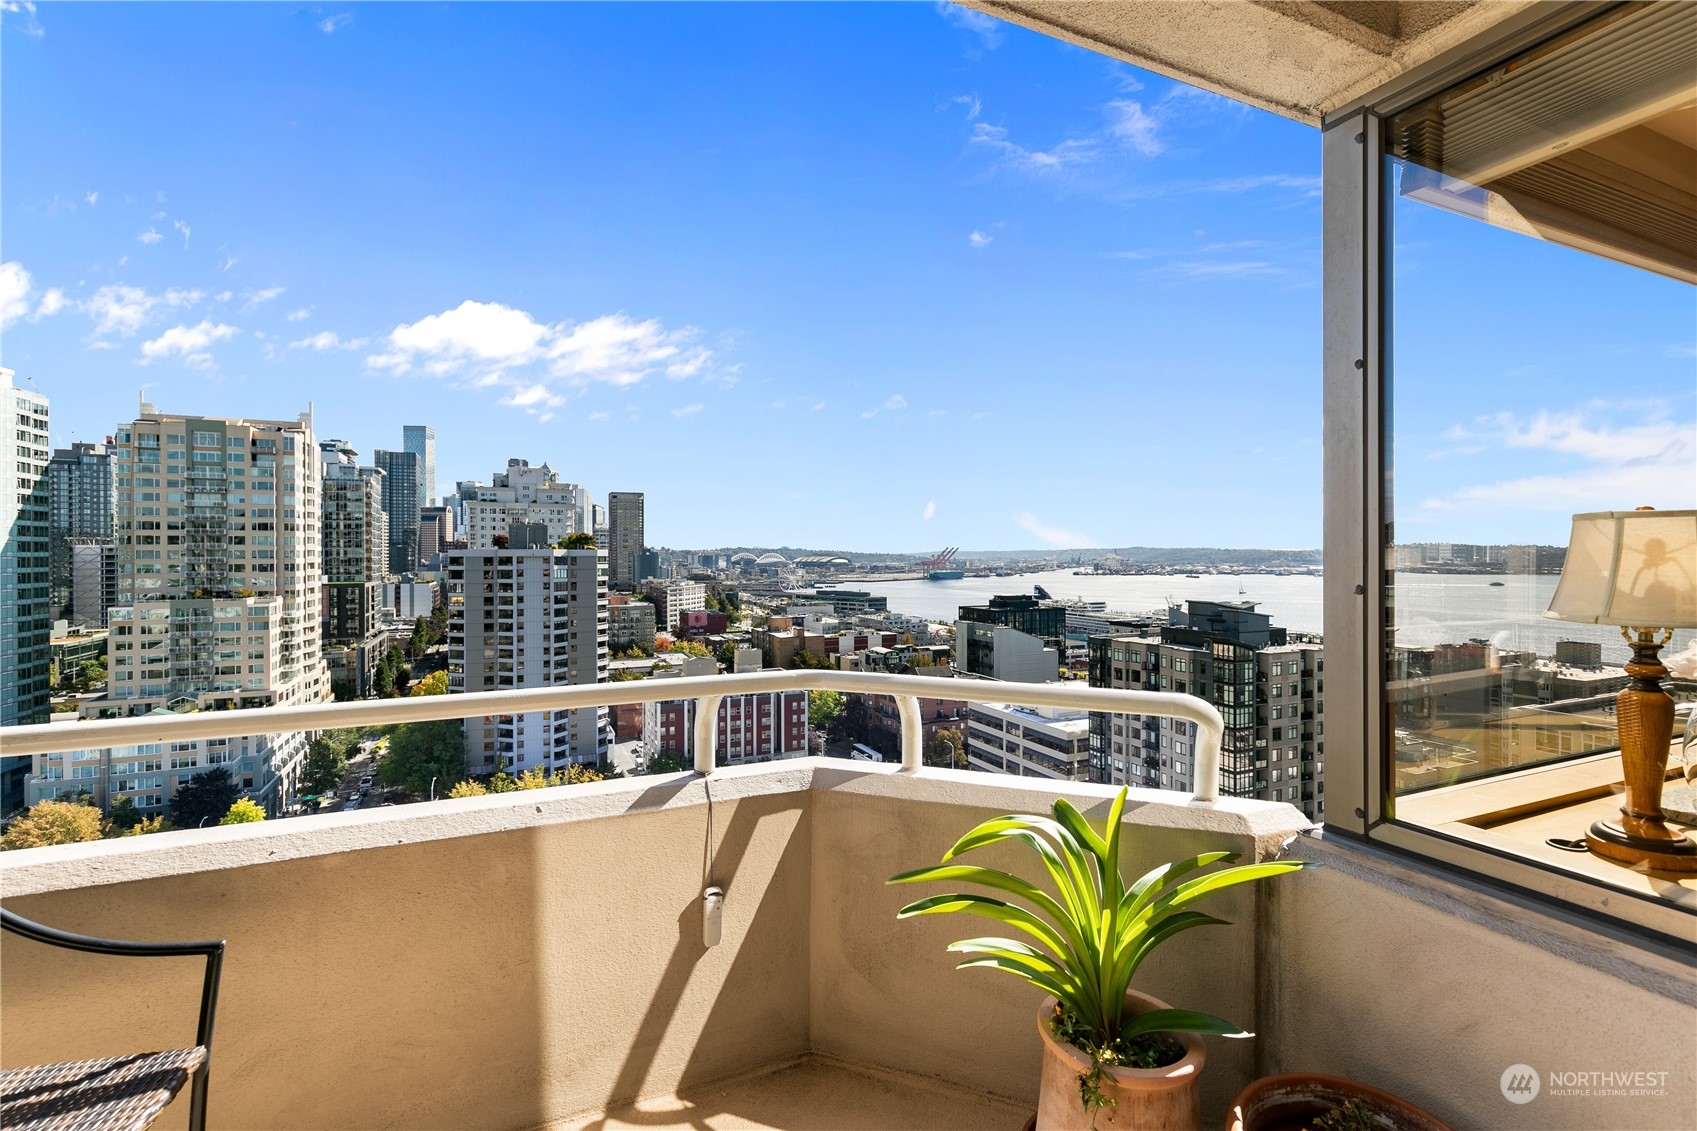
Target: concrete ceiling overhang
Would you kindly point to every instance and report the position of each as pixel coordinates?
(1299, 58)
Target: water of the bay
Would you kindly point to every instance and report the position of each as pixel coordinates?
(1431, 608)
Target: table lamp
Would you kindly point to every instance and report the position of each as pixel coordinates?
(1636, 569)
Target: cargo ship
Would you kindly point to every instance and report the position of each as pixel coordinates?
(945, 575)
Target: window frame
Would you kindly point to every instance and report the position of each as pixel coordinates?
(1355, 361)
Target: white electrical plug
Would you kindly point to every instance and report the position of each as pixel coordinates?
(712, 916)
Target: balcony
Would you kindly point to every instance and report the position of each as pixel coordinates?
(536, 959)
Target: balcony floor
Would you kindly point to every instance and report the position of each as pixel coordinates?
(815, 1094)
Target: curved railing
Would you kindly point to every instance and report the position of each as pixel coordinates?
(707, 691)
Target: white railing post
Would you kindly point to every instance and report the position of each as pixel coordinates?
(707, 732)
(913, 732)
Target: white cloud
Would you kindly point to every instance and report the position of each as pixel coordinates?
(328, 340)
(160, 215)
(229, 262)
(894, 404)
(25, 8)
(979, 239)
(1068, 154)
(255, 298)
(91, 197)
(818, 405)
(187, 342)
(300, 315)
(492, 345)
(688, 409)
(334, 23)
(600, 416)
(1136, 127)
(1053, 535)
(15, 287)
(1609, 465)
(51, 303)
(223, 296)
(930, 511)
(972, 104)
(119, 308)
(183, 228)
(149, 237)
(987, 29)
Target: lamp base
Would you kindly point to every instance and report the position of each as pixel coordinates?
(1648, 844)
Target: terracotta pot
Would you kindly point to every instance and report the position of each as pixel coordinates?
(1292, 1101)
(1146, 1099)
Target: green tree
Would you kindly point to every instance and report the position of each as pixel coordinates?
(243, 812)
(419, 752)
(92, 672)
(342, 691)
(944, 749)
(624, 675)
(666, 762)
(578, 541)
(53, 822)
(206, 796)
(727, 654)
(53, 673)
(825, 711)
(688, 648)
(468, 788)
(148, 825)
(326, 764)
(124, 815)
(436, 683)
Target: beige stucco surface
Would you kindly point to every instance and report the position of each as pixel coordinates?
(384, 972)
(1299, 59)
(1433, 1002)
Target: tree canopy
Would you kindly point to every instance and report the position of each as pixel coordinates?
(577, 541)
(206, 796)
(243, 812)
(53, 822)
(825, 711)
(419, 752)
(436, 683)
(944, 748)
(326, 764)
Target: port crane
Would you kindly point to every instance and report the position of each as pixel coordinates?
(941, 560)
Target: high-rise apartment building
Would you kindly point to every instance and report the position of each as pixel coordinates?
(523, 494)
(79, 505)
(435, 531)
(626, 535)
(94, 580)
(218, 533)
(528, 616)
(1269, 692)
(356, 558)
(752, 728)
(25, 618)
(403, 495)
(420, 440)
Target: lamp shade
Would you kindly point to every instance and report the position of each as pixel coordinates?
(1636, 568)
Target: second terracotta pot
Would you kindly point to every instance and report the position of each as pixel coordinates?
(1146, 1099)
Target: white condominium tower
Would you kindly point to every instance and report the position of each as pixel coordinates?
(528, 616)
(523, 494)
(217, 526)
(25, 623)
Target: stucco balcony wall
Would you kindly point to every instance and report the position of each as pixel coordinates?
(535, 960)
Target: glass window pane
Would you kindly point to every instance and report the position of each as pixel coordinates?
(1541, 359)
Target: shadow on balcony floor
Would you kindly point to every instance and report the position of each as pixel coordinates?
(815, 1094)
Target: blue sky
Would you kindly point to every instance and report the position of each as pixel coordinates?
(880, 276)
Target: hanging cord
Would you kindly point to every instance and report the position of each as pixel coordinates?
(707, 849)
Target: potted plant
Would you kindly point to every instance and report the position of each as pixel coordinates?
(1313, 1102)
(1111, 1056)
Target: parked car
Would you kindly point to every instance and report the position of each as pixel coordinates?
(365, 782)
(353, 803)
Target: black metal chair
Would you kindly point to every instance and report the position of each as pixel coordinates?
(125, 1092)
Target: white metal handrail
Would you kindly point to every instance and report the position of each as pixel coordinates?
(708, 691)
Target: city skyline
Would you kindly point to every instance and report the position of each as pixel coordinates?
(930, 233)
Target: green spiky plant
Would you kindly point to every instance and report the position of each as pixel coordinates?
(1093, 935)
